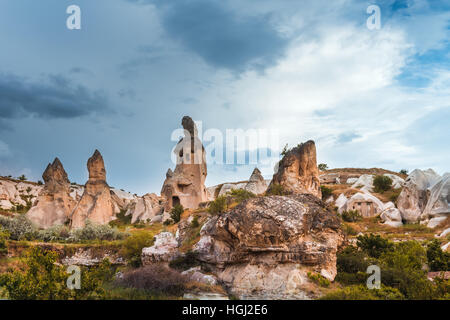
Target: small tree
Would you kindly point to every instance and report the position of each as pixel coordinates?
(323, 167)
(438, 260)
(382, 183)
(176, 212)
(285, 150)
(326, 192)
(218, 206)
(22, 178)
(374, 245)
(404, 171)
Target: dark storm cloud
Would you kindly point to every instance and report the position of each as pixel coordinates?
(217, 34)
(54, 97)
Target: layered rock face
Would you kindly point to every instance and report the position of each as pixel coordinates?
(145, 208)
(186, 185)
(266, 245)
(437, 208)
(414, 197)
(163, 250)
(96, 204)
(297, 171)
(54, 204)
(13, 192)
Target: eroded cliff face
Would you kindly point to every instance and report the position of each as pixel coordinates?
(54, 203)
(96, 204)
(266, 245)
(297, 171)
(186, 185)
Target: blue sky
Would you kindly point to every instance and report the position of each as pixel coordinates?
(309, 69)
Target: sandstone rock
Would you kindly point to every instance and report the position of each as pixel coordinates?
(367, 204)
(391, 215)
(163, 250)
(195, 274)
(54, 204)
(186, 185)
(397, 182)
(269, 243)
(256, 184)
(227, 187)
(364, 181)
(96, 204)
(340, 202)
(438, 199)
(435, 222)
(443, 233)
(145, 208)
(297, 172)
(13, 193)
(351, 180)
(413, 198)
(86, 257)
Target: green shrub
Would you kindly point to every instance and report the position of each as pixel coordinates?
(4, 236)
(240, 195)
(323, 167)
(382, 183)
(374, 245)
(195, 223)
(218, 206)
(404, 171)
(122, 219)
(319, 279)
(352, 260)
(361, 292)
(19, 227)
(93, 231)
(42, 278)
(133, 245)
(55, 233)
(176, 212)
(438, 260)
(185, 261)
(22, 178)
(348, 230)
(276, 190)
(351, 216)
(326, 192)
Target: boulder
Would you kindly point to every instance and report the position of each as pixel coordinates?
(195, 274)
(145, 208)
(391, 215)
(340, 202)
(54, 203)
(297, 171)
(163, 250)
(227, 187)
(438, 196)
(266, 245)
(96, 204)
(367, 204)
(414, 197)
(186, 185)
(256, 184)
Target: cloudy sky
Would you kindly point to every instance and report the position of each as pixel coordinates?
(308, 69)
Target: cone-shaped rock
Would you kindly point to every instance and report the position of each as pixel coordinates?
(54, 204)
(96, 203)
(256, 184)
(297, 171)
(186, 184)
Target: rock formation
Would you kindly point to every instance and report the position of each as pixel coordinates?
(437, 209)
(163, 250)
(13, 193)
(367, 204)
(145, 208)
(297, 171)
(256, 184)
(186, 185)
(266, 245)
(54, 204)
(414, 197)
(96, 204)
(391, 215)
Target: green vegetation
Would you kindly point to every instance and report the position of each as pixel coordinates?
(218, 206)
(22, 178)
(438, 260)
(404, 171)
(133, 245)
(323, 167)
(374, 245)
(176, 212)
(4, 236)
(326, 192)
(185, 261)
(361, 292)
(382, 183)
(239, 195)
(319, 279)
(351, 216)
(276, 190)
(195, 223)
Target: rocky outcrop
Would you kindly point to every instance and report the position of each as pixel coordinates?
(365, 181)
(14, 193)
(414, 196)
(367, 204)
(96, 204)
(391, 215)
(145, 208)
(54, 204)
(186, 185)
(266, 245)
(256, 184)
(163, 250)
(297, 171)
(437, 209)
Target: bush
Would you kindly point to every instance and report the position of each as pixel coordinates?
(404, 171)
(382, 183)
(374, 245)
(438, 260)
(176, 212)
(42, 278)
(133, 245)
(185, 262)
(157, 279)
(323, 167)
(93, 231)
(218, 206)
(276, 190)
(361, 292)
(240, 195)
(22, 178)
(54, 233)
(4, 236)
(195, 223)
(351, 216)
(19, 227)
(326, 192)
(122, 219)
(319, 279)
(352, 260)
(348, 230)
